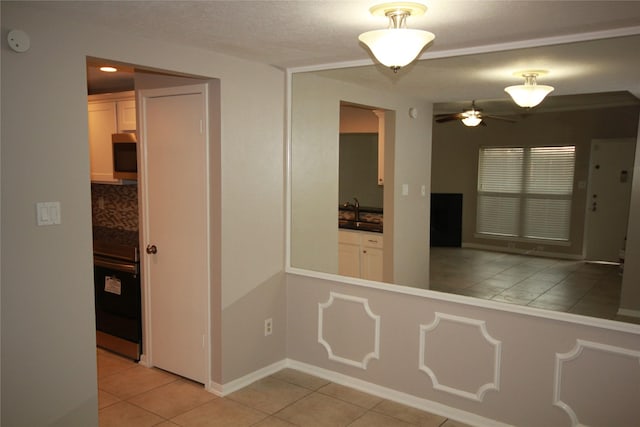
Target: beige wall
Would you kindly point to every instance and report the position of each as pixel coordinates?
(47, 298)
(357, 120)
(455, 154)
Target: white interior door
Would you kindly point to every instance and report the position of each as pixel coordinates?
(610, 178)
(175, 226)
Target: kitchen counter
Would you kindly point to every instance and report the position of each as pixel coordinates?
(370, 219)
(116, 242)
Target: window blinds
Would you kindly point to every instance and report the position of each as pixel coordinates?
(525, 192)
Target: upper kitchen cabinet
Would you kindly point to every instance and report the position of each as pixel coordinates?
(108, 114)
(126, 111)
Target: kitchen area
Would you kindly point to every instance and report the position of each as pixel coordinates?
(361, 192)
(115, 220)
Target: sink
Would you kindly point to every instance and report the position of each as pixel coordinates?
(360, 225)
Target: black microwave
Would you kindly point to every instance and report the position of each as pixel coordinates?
(125, 155)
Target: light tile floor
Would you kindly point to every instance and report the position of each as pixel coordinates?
(552, 284)
(131, 395)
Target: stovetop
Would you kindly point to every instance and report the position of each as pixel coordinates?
(115, 243)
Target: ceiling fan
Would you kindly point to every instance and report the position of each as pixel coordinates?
(470, 117)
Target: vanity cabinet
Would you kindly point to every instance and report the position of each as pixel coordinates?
(360, 254)
(108, 114)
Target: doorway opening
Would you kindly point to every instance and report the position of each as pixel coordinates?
(120, 206)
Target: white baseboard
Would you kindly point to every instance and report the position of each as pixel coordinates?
(530, 252)
(395, 396)
(143, 361)
(628, 313)
(235, 385)
(364, 386)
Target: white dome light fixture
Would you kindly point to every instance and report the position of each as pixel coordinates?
(530, 93)
(397, 46)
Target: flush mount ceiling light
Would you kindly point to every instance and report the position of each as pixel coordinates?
(397, 46)
(108, 69)
(530, 93)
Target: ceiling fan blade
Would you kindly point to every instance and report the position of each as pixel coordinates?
(442, 118)
(505, 119)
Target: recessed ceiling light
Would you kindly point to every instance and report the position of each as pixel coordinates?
(108, 69)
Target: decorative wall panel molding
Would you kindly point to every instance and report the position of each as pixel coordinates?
(603, 396)
(489, 370)
(354, 325)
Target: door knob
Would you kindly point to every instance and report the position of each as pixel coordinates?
(152, 249)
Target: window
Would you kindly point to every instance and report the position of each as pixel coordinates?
(525, 192)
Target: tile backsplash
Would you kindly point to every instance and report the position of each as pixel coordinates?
(115, 206)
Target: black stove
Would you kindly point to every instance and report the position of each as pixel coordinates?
(117, 291)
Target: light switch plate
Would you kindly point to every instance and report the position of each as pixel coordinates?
(48, 213)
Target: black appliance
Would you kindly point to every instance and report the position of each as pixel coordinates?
(117, 291)
(125, 157)
(446, 219)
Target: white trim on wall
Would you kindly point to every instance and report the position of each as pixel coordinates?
(629, 313)
(571, 318)
(374, 354)
(575, 353)
(497, 353)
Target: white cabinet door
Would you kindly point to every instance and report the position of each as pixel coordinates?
(102, 123)
(349, 259)
(371, 268)
(126, 115)
(360, 254)
(372, 264)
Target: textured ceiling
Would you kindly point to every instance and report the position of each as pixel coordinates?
(309, 34)
(303, 33)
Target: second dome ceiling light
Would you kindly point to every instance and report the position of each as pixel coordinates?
(398, 46)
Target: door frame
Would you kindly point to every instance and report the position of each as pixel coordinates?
(202, 88)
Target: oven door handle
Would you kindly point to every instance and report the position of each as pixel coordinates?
(126, 267)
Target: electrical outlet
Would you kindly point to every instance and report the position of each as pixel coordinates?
(268, 327)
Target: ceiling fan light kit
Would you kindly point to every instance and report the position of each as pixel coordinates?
(530, 93)
(472, 118)
(397, 46)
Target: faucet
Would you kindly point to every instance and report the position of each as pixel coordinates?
(356, 208)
